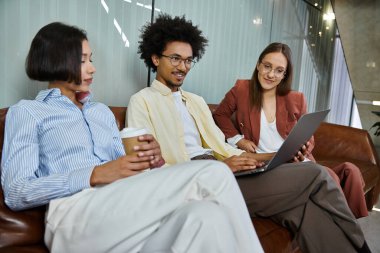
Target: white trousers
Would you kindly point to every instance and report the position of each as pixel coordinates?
(190, 207)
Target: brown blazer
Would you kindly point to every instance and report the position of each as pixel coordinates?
(289, 109)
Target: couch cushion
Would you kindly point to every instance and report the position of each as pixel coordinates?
(22, 227)
(25, 249)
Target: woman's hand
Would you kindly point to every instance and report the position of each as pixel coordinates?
(148, 156)
(247, 145)
(302, 153)
(124, 166)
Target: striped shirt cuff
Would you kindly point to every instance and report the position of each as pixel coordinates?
(80, 179)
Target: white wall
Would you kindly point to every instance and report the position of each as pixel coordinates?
(234, 42)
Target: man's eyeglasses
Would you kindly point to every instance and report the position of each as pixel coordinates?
(176, 61)
(267, 68)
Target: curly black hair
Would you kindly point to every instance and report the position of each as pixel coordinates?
(155, 36)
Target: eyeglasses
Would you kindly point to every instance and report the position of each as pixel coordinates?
(176, 61)
(267, 68)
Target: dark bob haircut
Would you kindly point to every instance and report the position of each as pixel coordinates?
(255, 90)
(56, 53)
(155, 36)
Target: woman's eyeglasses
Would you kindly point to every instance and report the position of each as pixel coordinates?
(267, 68)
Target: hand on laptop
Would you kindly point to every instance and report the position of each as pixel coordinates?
(262, 157)
(242, 162)
(302, 153)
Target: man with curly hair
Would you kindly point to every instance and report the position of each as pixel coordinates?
(311, 207)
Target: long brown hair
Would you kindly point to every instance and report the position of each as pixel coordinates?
(255, 90)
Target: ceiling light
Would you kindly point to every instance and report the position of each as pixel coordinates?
(257, 21)
(329, 16)
(367, 102)
(370, 64)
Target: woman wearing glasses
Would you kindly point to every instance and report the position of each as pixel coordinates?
(266, 109)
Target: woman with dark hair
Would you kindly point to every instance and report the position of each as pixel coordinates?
(266, 109)
(66, 152)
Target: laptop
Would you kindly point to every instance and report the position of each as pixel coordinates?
(298, 136)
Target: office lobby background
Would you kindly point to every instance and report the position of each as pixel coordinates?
(331, 53)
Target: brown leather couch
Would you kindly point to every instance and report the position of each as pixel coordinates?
(22, 232)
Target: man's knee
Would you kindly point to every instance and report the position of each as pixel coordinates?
(303, 170)
(308, 172)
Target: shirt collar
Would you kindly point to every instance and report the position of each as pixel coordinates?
(164, 90)
(45, 94)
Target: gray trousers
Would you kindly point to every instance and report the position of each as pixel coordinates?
(304, 198)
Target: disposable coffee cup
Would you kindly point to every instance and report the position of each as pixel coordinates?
(129, 136)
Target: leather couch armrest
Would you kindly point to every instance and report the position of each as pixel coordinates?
(343, 142)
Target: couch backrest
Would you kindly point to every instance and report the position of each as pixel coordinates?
(120, 115)
(3, 113)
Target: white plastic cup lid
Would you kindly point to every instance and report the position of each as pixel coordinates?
(132, 132)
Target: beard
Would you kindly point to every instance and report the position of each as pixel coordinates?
(170, 80)
(173, 86)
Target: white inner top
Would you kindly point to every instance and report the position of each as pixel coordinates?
(192, 138)
(270, 140)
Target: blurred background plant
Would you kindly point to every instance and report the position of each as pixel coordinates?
(376, 125)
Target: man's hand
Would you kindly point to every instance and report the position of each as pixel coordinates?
(259, 156)
(238, 163)
(247, 145)
(150, 151)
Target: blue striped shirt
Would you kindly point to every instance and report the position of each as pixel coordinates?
(51, 147)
